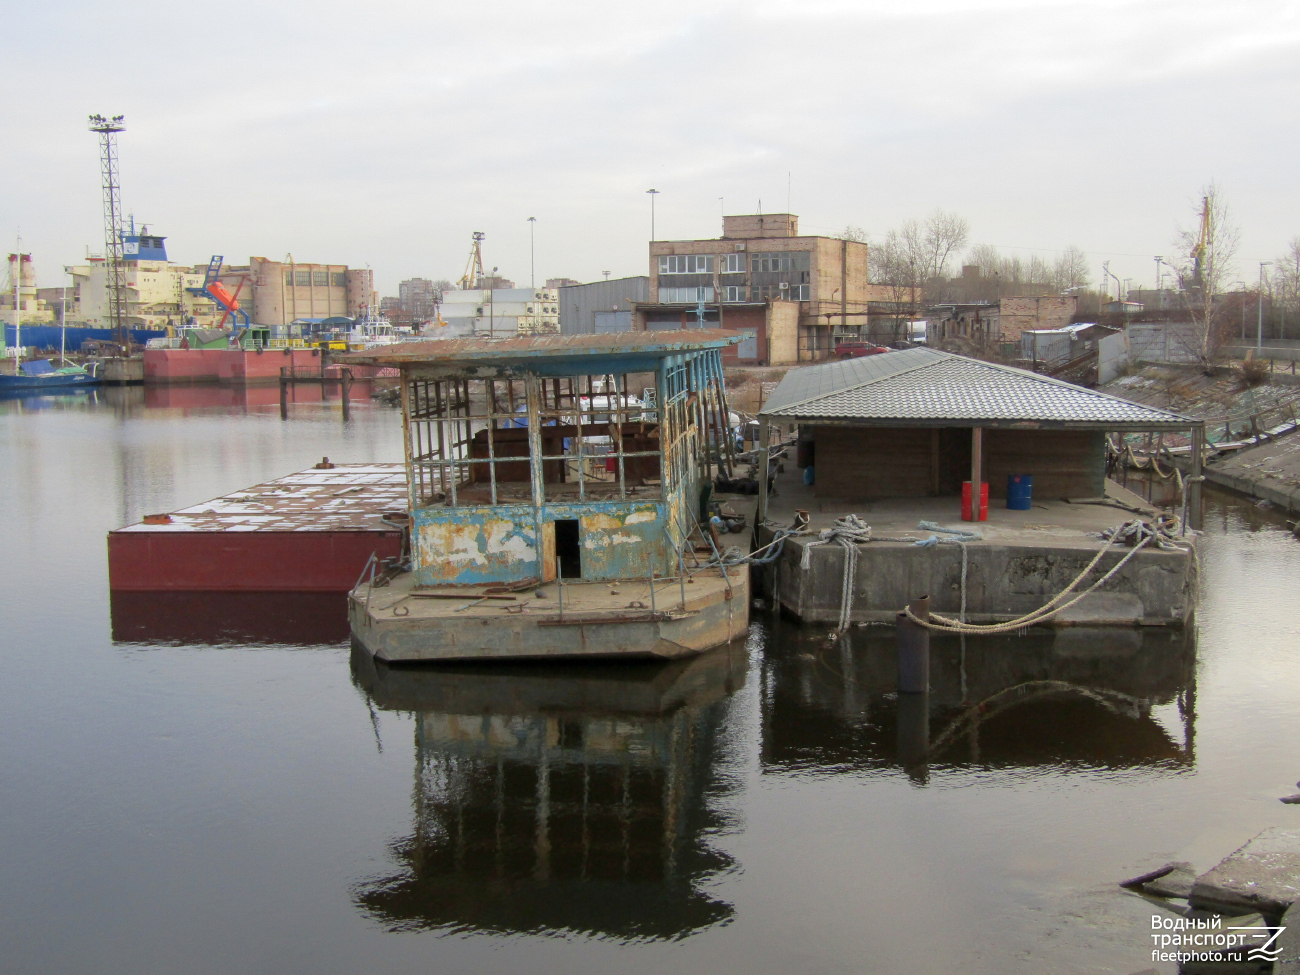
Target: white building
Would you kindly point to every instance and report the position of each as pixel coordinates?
(502, 311)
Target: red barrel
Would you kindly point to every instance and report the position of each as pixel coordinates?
(965, 502)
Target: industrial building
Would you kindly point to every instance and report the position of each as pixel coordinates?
(601, 306)
(501, 311)
(797, 296)
(160, 292)
(988, 323)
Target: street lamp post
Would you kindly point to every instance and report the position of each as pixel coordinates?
(1259, 330)
(653, 194)
(532, 255)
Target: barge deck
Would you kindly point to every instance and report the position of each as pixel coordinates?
(313, 531)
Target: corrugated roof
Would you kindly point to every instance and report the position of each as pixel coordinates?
(533, 347)
(919, 385)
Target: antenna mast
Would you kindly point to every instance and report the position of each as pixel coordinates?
(107, 129)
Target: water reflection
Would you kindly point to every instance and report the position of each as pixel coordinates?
(574, 799)
(1078, 699)
(218, 618)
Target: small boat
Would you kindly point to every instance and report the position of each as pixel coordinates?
(372, 330)
(40, 374)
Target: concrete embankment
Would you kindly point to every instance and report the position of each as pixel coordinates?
(1263, 416)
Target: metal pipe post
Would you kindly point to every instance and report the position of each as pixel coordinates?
(914, 649)
(284, 395)
(345, 375)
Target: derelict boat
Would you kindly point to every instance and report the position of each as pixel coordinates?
(555, 512)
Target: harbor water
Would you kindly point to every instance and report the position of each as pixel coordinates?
(219, 784)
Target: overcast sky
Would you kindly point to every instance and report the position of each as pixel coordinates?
(384, 133)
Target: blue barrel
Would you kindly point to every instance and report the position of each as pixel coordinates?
(1020, 492)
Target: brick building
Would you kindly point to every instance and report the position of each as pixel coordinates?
(799, 296)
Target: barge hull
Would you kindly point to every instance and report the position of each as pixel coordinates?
(394, 626)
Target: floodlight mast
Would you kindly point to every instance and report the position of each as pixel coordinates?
(114, 269)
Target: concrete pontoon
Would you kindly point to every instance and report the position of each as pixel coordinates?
(891, 438)
(557, 485)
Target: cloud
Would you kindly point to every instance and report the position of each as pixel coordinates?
(386, 133)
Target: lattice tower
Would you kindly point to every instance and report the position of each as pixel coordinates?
(114, 266)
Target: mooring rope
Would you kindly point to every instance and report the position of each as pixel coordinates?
(1142, 532)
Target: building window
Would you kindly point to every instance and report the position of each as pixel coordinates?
(302, 279)
(734, 292)
(733, 263)
(678, 296)
(338, 279)
(769, 262)
(686, 264)
(789, 292)
(320, 279)
(288, 279)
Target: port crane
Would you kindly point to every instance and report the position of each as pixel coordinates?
(215, 291)
(1198, 252)
(473, 276)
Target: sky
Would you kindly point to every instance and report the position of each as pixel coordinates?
(384, 133)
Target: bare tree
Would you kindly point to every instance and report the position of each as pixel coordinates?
(1205, 265)
(853, 233)
(1070, 270)
(1286, 278)
(942, 235)
(899, 264)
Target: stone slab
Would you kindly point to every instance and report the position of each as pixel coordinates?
(1263, 875)
(1288, 962)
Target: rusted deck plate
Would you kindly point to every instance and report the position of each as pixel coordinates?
(308, 532)
(345, 497)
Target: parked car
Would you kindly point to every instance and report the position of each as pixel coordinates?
(855, 350)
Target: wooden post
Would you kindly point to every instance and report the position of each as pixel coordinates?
(284, 395)
(761, 515)
(345, 375)
(976, 468)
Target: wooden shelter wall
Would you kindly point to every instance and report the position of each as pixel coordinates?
(1063, 463)
(869, 463)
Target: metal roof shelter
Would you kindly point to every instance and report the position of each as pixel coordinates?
(927, 388)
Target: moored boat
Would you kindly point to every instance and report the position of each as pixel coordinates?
(41, 374)
(550, 520)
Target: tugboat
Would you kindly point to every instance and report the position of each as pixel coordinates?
(549, 520)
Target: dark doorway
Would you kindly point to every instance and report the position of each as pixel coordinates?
(568, 553)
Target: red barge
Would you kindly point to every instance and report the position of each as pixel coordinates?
(312, 531)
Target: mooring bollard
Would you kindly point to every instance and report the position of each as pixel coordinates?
(914, 649)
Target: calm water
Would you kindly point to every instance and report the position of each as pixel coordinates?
(220, 786)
